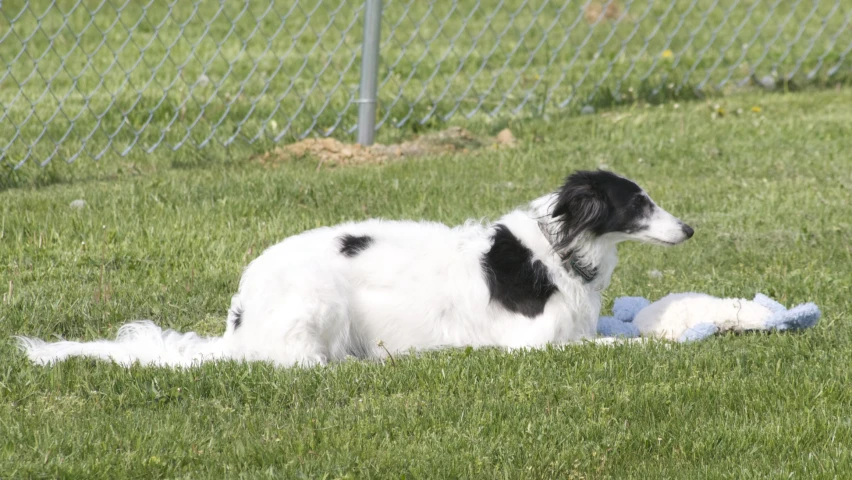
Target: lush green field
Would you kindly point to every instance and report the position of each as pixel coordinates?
(768, 193)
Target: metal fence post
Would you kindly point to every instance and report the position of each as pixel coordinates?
(369, 72)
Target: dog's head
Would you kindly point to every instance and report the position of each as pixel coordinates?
(600, 203)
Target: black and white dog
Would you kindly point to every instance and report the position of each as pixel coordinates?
(371, 288)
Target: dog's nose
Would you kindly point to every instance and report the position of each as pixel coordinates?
(687, 230)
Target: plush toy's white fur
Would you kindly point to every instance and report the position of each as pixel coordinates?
(694, 316)
(673, 315)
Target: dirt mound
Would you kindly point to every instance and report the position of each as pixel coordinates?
(595, 12)
(334, 152)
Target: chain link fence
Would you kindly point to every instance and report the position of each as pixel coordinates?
(105, 77)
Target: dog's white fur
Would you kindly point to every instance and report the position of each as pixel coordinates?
(419, 286)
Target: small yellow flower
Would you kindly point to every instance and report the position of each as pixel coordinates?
(756, 109)
(717, 110)
(667, 54)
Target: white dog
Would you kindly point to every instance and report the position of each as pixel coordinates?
(371, 288)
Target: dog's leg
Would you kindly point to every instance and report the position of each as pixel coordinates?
(297, 329)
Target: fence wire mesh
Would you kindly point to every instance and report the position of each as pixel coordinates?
(100, 77)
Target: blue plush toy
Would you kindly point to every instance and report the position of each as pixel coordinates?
(685, 317)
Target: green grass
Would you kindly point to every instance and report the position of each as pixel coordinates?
(768, 193)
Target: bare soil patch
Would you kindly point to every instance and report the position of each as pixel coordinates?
(330, 151)
(598, 11)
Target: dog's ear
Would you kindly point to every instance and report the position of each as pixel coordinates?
(580, 206)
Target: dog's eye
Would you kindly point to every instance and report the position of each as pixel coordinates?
(642, 204)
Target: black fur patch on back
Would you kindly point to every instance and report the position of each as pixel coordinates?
(350, 245)
(238, 318)
(520, 283)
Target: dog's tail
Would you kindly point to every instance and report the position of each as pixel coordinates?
(142, 342)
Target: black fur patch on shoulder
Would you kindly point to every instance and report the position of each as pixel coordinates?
(350, 245)
(520, 283)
